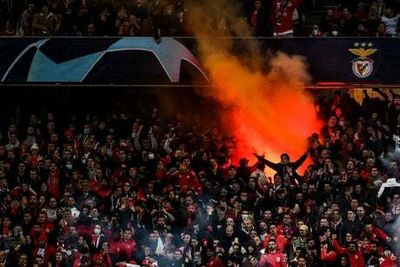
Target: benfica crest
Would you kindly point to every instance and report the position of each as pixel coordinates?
(362, 65)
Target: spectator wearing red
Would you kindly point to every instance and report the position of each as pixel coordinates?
(279, 238)
(44, 250)
(127, 246)
(272, 258)
(53, 181)
(388, 259)
(186, 179)
(282, 16)
(356, 257)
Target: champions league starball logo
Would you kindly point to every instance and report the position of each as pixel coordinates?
(362, 65)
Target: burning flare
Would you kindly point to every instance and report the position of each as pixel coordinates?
(267, 112)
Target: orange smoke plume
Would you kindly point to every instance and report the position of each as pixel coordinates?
(267, 112)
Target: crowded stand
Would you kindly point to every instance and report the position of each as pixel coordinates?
(148, 190)
(170, 18)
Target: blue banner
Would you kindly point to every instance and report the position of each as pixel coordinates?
(141, 60)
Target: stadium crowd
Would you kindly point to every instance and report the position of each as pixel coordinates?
(378, 18)
(169, 18)
(121, 191)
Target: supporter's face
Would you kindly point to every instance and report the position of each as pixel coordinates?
(186, 239)
(301, 262)
(72, 230)
(397, 210)
(23, 260)
(324, 154)
(271, 245)
(350, 165)
(232, 172)
(128, 235)
(303, 232)
(127, 187)
(393, 165)
(132, 172)
(346, 12)
(178, 255)
(229, 231)
(350, 215)
(348, 237)
(352, 248)
(370, 163)
(94, 213)
(369, 228)
(284, 159)
(183, 167)
(311, 243)
(248, 224)
(327, 187)
(374, 172)
(311, 188)
(252, 183)
(287, 219)
(373, 247)
(267, 214)
(27, 217)
(36, 228)
(324, 222)
(336, 215)
(194, 242)
(59, 256)
(332, 121)
(354, 203)
(2, 255)
(381, 28)
(41, 218)
(42, 200)
(360, 211)
(161, 221)
(272, 229)
(33, 199)
(71, 201)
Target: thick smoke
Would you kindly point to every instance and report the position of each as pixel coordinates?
(267, 111)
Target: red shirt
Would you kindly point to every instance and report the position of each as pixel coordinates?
(356, 258)
(273, 259)
(187, 180)
(281, 242)
(127, 247)
(47, 253)
(283, 13)
(388, 262)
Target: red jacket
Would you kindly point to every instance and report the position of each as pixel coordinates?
(376, 234)
(356, 259)
(215, 262)
(187, 180)
(101, 260)
(282, 16)
(128, 248)
(276, 259)
(388, 262)
(49, 252)
(53, 184)
(281, 242)
(328, 256)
